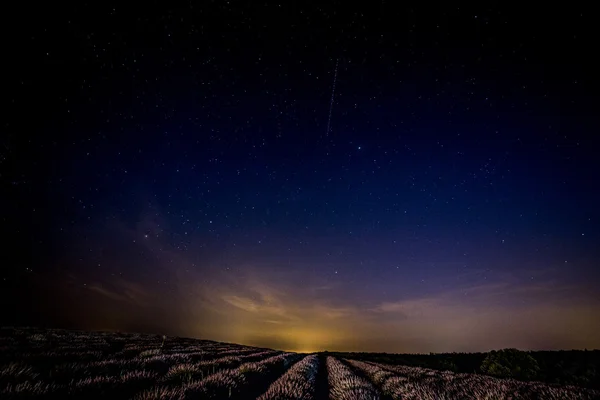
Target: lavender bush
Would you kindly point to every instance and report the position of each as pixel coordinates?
(60, 364)
(231, 384)
(346, 385)
(298, 383)
(408, 383)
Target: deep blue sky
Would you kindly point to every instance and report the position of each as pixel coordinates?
(170, 169)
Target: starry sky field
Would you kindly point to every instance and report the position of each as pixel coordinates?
(382, 178)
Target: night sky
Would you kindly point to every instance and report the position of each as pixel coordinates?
(369, 178)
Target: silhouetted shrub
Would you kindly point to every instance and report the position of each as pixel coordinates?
(510, 363)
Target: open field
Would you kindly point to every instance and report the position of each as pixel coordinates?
(37, 363)
(565, 367)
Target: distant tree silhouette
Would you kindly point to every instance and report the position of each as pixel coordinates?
(510, 363)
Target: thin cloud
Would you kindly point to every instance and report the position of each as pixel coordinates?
(107, 293)
(241, 303)
(124, 291)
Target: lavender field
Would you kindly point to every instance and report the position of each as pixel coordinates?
(60, 364)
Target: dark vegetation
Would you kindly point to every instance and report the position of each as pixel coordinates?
(52, 364)
(565, 367)
(44, 363)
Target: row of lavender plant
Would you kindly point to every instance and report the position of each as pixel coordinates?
(17, 379)
(238, 383)
(344, 384)
(202, 357)
(48, 352)
(181, 374)
(120, 376)
(196, 352)
(168, 365)
(408, 383)
(190, 371)
(482, 385)
(123, 386)
(298, 383)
